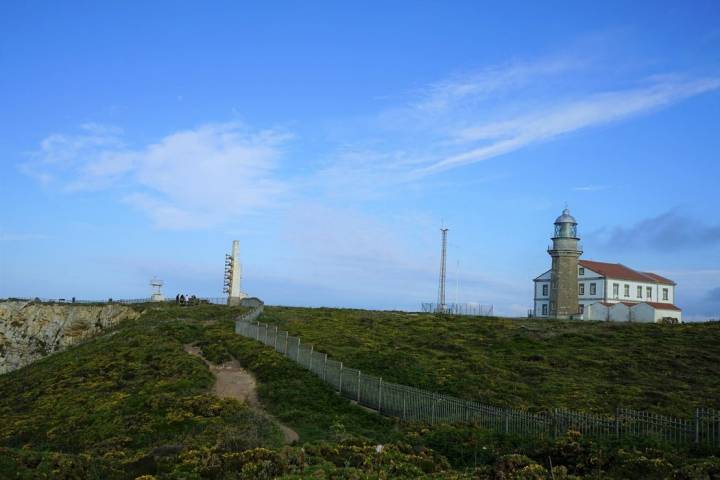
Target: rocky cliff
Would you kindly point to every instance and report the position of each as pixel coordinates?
(30, 330)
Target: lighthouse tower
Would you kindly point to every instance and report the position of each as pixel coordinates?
(565, 252)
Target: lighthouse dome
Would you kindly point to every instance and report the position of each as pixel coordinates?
(565, 218)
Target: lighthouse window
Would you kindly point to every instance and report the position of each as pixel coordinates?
(593, 289)
(665, 293)
(582, 289)
(616, 290)
(639, 292)
(648, 292)
(545, 290)
(626, 290)
(582, 271)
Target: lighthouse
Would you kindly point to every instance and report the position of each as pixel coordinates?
(565, 252)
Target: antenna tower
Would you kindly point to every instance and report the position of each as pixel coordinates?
(443, 258)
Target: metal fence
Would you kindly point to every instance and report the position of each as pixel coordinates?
(416, 405)
(471, 309)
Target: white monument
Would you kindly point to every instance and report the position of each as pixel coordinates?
(233, 275)
(157, 295)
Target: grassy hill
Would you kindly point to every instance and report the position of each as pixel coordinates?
(522, 363)
(133, 403)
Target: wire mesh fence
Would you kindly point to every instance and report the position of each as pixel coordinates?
(470, 309)
(416, 405)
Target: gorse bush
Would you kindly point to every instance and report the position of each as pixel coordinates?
(133, 404)
(521, 363)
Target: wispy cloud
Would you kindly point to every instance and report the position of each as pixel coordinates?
(189, 179)
(466, 90)
(489, 139)
(21, 237)
(590, 188)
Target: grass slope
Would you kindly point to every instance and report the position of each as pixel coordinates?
(133, 403)
(529, 364)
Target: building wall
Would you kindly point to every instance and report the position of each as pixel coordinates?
(657, 291)
(619, 313)
(660, 314)
(642, 313)
(601, 294)
(596, 311)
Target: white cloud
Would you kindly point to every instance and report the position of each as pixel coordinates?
(544, 123)
(189, 179)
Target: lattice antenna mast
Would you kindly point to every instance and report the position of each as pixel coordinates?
(443, 262)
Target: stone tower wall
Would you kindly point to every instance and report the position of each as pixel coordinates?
(564, 285)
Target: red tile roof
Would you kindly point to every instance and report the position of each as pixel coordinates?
(663, 306)
(659, 278)
(620, 271)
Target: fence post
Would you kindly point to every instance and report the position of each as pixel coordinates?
(341, 372)
(617, 422)
(276, 335)
(325, 369)
(266, 334)
(506, 413)
(404, 395)
(380, 396)
(358, 388)
(312, 347)
(434, 404)
(257, 334)
(697, 425)
(466, 404)
(297, 355)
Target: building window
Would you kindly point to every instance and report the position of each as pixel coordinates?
(639, 292)
(545, 290)
(544, 308)
(582, 271)
(665, 293)
(616, 290)
(582, 309)
(582, 289)
(593, 289)
(648, 292)
(626, 290)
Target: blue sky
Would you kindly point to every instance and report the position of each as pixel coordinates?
(333, 140)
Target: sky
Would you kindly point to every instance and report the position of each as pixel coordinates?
(335, 139)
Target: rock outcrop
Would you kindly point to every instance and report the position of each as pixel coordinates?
(32, 330)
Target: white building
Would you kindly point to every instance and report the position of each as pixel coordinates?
(614, 292)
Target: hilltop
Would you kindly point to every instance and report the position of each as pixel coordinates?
(134, 402)
(523, 363)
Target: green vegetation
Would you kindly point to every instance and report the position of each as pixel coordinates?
(521, 363)
(132, 404)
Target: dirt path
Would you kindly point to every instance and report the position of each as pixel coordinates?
(233, 381)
